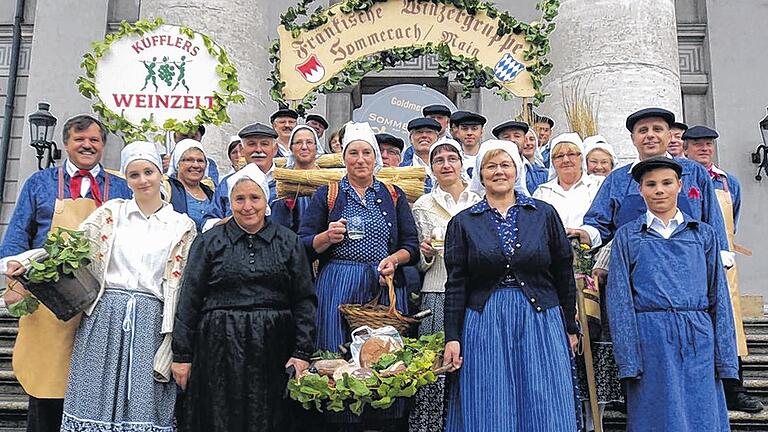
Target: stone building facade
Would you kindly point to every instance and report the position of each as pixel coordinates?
(703, 59)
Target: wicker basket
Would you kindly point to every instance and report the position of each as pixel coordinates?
(374, 315)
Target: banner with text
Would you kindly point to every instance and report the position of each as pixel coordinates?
(315, 56)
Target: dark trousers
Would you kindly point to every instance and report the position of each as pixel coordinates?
(732, 387)
(44, 415)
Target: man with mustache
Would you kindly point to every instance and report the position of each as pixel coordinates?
(283, 121)
(55, 197)
(258, 146)
(467, 128)
(423, 133)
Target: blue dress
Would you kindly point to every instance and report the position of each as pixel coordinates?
(517, 371)
(351, 275)
(672, 326)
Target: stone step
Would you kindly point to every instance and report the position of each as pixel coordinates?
(13, 412)
(9, 385)
(615, 421)
(757, 343)
(756, 325)
(756, 366)
(8, 336)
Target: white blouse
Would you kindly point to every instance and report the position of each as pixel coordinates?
(141, 248)
(435, 210)
(571, 204)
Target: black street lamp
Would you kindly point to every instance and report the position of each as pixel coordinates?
(41, 127)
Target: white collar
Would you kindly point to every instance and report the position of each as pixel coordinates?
(650, 218)
(637, 161)
(717, 170)
(131, 207)
(72, 169)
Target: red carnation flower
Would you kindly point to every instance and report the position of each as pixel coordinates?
(693, 193)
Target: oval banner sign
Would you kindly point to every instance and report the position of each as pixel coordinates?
(163, 73)
(151, 77)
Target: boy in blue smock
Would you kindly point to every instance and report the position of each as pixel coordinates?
(670, 312)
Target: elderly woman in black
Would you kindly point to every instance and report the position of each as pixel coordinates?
(246, 313)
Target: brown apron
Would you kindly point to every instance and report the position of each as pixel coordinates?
(43, 348)
(732, 274)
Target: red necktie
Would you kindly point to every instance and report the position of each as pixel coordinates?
(712, 173)
(76, 182)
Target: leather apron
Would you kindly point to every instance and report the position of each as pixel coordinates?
(732, 274)
(43, 348)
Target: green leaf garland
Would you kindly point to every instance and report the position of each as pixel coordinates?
(116, 123)
(468, 71)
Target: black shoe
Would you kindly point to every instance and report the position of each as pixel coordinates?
(746, 403)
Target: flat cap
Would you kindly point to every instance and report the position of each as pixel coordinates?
(257, 129)
(678, 125)
(699, 132)
(654, 163)
(385, 138)
(436, 109)
(633, 118)
(318, 118)
(544, 119)
(283, 112)
(423, 122)
(510, 125)
(467, 118)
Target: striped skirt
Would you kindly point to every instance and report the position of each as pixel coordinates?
(517, 372)
(111, 384)
(346, 282)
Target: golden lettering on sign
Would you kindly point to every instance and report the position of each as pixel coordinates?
(315, 56)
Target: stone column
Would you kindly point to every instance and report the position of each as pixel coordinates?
(244, 29)
(55, 63)
(625, 52)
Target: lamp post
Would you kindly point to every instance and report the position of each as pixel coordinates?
(41, 127)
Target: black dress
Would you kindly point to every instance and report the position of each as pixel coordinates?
(247, 304)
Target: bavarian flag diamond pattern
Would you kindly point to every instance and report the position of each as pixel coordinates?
(507, 68)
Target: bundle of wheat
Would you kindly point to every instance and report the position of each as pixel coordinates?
(331, 160)
(293, 183)
(581, 110)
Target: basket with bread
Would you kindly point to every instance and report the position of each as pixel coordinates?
(384, 367)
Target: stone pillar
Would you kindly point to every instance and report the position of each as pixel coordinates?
(244, 29)
(625, 52)
(55, 63)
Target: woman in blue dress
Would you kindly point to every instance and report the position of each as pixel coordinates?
(305, 149)
(359, 229)
(188, 194)
(509, 306)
